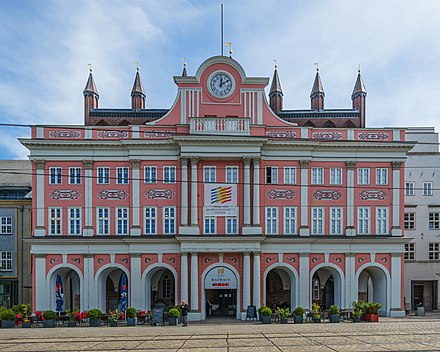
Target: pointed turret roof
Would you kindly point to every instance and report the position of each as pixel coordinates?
(137, 85)
(276, 85)
(184, 70)
(317, 85)
(359, 86)
(90, 85)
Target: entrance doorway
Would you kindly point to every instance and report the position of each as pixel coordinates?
(221, 303)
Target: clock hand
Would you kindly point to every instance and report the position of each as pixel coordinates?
(221, 82)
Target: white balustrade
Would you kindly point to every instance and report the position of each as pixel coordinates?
(220, 125)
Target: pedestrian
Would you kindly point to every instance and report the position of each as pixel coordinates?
(184, 310)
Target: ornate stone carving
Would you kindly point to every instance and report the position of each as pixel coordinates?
(373, 136)
(326, 195)
(135, 163)
(112, 194)
(350, 165)
(286, 135)
(304, 164)
(64, 134)
(39, 164)
(184, 161)
(280, 194)
(160, 194)
(246, 161)
(112, 134)
(64, 194)
(334, 136)
(159, 134)
(373, 195)
(256, 161)
(88, 164)
(396, 165)
(194, 160)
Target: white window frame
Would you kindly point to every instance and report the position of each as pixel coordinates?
(169, 174)
(410, 251)
(209, 225)
(336, 220)
(363, 220)
(409, 188)
(122, 215)
(103, 221)
(231, 225)
(336, 176)
(103, 175)
(150, 174)
(6, 261)
(290, 216)
(272, 175)
(381, 176)
(271, 220)
(433, 251)
(5, 225)
(122, 175)
(209, 174)
(169, 220)
(382, 221)
(231, 174)
(317, 175)
(427, 188)
(434, 220)
(55, 174)
(55, 221)
(363, 176)
(75, 175)
(151, 220)
(75, 224)
(289, 175)
(318, 224)
(409, 220)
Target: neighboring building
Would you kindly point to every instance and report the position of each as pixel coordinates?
(422, 219)
(219, 201)
(15, 227)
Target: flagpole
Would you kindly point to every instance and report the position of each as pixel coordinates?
(221, 43)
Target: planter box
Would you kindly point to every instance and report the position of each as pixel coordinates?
(298, 319)
(131, 321)
(357, 320)
(7, 324)
(371, 317)
(26, 325)
(173, 321)
(94, 323)
(420, 311)
(335, 318)
(71, 324)
(316, 320)
(114, 324)
(266, 319)
(283, 321)
(49, 323)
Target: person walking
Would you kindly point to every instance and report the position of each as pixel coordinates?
(184, 310)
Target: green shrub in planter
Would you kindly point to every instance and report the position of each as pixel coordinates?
(284, 314)
(7, 316)
(316, 313)
(357, 315)
(334, 314)
(49, 319)
(94, 316)
(131, 316)
(260, 316)
(266, 313)
(298, 315)
(173, 316)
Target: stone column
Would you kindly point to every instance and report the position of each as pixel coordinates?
(351, 293)
(88, 198)
(136, 229)
(135, 281)
(395, 308)
(257, 288)
(184, 192)
(88, 291)
(194, 302)
(256, 219)
(350, 230)
(304, 229)
(41, 289)
(40, 229)
(396, 230)
(246, 280)
(304, 280)
(184, 276)
(247, 192)
(194, 185)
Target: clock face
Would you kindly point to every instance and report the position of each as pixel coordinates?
(220, 85)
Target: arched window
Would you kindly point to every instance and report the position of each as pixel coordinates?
(166, 287)
(315, 288)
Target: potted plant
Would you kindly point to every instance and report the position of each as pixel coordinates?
(260, 316)
(372, 311)
(7, 316)
(284, 314)
(357, 315)
(266, 314)
(94, 316)
(49, 319)
(173, 316)
(316, 309)
(334, 314)
(25, 310)
(298, 315)
(359, 308)
(131, 316)
(113, 318)
(71, 323)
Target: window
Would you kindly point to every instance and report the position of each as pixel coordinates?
(74, 175)
(317, 176)
(336, 176)
(103, 219)
(272, 174)
(166, 287)
(427, 188)
(434, 221)
(55, 221)
(410, 251)
(231, 225)
(289, 220)
(409, 188)
(232, 174)
(209, 174)
(5, 225)
(55, 175)
(122, 175)
(336, 221)
(271, 221)
(434, 251)
(103, 175)
(409, 221)
(381, 176)
(5, 261)
(169, 174)
(381, 221)
(363, 221)
(317, 221)
(122, 221)
(209, 226)
(169, 214)
(150, 174)
(74, 221)
(315, 289)
(290, 175)
(150, 220)
(363, 176)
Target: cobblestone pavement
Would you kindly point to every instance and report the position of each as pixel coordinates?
(407, 334)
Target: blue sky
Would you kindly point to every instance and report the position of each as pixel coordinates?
(47, 45)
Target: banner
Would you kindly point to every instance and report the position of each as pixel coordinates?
(220, 200)
(220, 278)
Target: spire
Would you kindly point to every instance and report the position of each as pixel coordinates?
(276, 93)
(276, 85)
(90, 85)
(359, 98)
(184, 70)
(359, 86)
(317, 95)
(137, 85)
(317, 85)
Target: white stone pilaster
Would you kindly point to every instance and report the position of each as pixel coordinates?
(304, 229)
(395, 307)
(184, 276)
(194, 185)
(40, 229)
(246, 280)
(304, 281)
(350, 230)
(257, 280)
(41, 288)
(136, 229)
(396, 230)
(184, 192)
(350, 279)
(135, 278)
(256, 214)
(88, 198)
(247, 192)
(194, 302)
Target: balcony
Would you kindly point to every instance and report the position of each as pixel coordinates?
(237, 126)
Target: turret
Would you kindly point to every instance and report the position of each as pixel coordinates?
(137, 93)
(317, 95)
(91, 97)
(184, 70)
(276, 93)
(359, 97)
